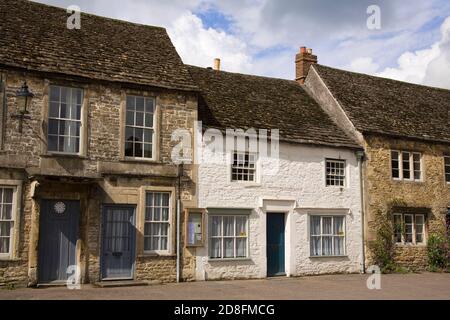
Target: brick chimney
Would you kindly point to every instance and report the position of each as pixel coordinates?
(303, 60)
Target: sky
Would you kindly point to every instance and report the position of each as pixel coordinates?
(262, 37)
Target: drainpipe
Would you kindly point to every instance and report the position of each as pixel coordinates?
(360, 157)
(180, 173)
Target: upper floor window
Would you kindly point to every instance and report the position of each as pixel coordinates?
(447, 168)
(409, 228)
(64, 119)
(6, 220)
(139, 129)
(243, 167)
(406, 165)
(335, 172)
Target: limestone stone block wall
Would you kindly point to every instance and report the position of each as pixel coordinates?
(382, 191)
(24, 156)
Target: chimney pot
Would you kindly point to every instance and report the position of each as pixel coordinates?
(217, 64)
(303, 62)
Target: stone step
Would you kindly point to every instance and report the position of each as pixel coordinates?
(121, 283)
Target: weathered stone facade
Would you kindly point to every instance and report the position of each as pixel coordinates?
(382, 191)
(100, 175)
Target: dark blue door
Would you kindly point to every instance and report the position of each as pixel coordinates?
(275, 244)
(118, 249)
(58, 234)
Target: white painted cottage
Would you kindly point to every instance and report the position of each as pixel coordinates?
(294, 212)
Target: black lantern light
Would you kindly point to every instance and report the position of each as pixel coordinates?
(23, 98)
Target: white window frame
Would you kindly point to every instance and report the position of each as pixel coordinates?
(344, 227)
(447, 168)
(169, 232)
(334, 177)
(222, 237)
(411, 166)
(81, 121)
(16, 185)
(154, 128)
(414, 233)
(255, 169)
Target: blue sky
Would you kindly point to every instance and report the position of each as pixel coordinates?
(263, 36)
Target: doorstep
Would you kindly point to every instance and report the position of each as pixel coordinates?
(121, 283)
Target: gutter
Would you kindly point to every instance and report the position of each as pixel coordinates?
(360, 157)
(178, 249)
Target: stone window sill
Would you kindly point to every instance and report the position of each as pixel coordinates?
(410, 245)
(231, 260)
(63, 155)
(328, 257)
(155, 255)
(142, 161)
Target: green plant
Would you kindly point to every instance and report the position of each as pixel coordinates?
(382, 247)
(438, 251)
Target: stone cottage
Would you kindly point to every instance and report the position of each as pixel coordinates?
(88, 189)
(405, 131)
(295, 211)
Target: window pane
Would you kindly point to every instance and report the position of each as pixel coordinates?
(54, 93)
(216, 248)
(339, 246)
(130, 118)
(54, 110)
(338, 225)
(315, 246)
(5, 228)
(408, 218)
(164, 243)
(228, 226)
(130, 103)
(140, 119)
(52, 143)
(241, 245)
(4, 245)
(229, 247)
(149, 105)
(7, 195)
(398, 228)
(327, 248)
(406, 165)
(241, 226)
(6, 213)
(140, 104)
(315, 225)
(326, 225)
(216, 226)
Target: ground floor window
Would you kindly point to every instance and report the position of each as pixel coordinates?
(6, 220)
(409, 228)
(157, 221)
(228, 236)
(327, 235)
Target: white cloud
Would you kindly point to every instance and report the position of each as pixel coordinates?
(364, 65)
(199, 46)
(430, 66)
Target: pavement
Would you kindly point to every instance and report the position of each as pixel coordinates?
(422, 286)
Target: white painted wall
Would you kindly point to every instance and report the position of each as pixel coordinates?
(298, 189)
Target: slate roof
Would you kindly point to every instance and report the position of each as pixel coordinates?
(239, 101)
(35, 36)
(385, 106)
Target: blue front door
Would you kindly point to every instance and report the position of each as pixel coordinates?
(118, 247)
(275, 244)
(58, 234)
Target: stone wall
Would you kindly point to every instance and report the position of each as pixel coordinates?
(381, 191)
(103, 158)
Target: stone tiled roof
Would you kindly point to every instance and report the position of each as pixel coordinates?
(239, 101)
(35, 36)
(385, 106)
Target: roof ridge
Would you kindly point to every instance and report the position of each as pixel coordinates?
(382, 78)
(241, 74)
(94, 15)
